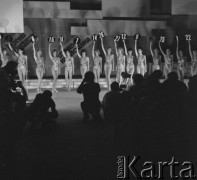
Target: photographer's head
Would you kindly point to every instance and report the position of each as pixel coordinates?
(138, 79)
(11, 68)
(89, 76)
(173, 75)
(115, 86)
(47, 93)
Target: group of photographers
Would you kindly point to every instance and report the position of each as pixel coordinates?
(14, 112)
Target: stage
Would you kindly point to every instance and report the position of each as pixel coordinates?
(31, 85)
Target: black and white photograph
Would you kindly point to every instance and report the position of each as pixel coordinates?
(98, 89)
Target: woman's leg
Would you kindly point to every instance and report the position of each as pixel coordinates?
(66, 78)
(20, 75)
(138, 69)
(165, 72)
(142, 70)
(95, 74)
(70, 78)
(23, 73)
(98, 74)
(118, 76)
(54, 78)
(108, 69)
(39, 76)
(83, 70)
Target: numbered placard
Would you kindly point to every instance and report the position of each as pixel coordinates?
(51, 39)
(61, 39)
(77, 40)
(137, 36)
(123, 36)
(117, 38)
(162, 39)
(95, 37)
(101, 34)
(188, 37)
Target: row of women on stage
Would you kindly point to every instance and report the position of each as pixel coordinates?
(125, 62)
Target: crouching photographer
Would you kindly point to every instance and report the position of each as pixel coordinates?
(43, 110)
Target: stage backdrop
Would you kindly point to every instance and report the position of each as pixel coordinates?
(44, 19)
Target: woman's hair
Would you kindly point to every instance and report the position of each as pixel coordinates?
(54, 50)
(97, 51)
(21, 49)
(130, 49)
(83, 51)
(140, 47)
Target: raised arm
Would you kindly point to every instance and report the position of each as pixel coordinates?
(125, 47)
(151, 48)
(93, 55)
(161, 49)
(34, 51)
(12, 49)
(50, 51)
(103, 47)
(73, 65)
(190, 50)
(115, 43)
(136, 53)
(77, 48)
(177, 48)
(62, 49)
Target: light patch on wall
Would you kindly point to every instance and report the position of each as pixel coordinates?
(184, 7)
(11, 16)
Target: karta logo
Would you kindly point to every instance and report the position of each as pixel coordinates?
(135, 169)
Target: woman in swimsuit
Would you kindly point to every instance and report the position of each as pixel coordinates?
(130, 68)
(168, 58)
(97, 68)
(193, 55)
(156, 58)
(22, 64)
(109, 63)
(55, 67)
(40, 69)
(141, 59)
(4, 56)
(181, 62)
(69, 67)
(120, 67)
(84, 61)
